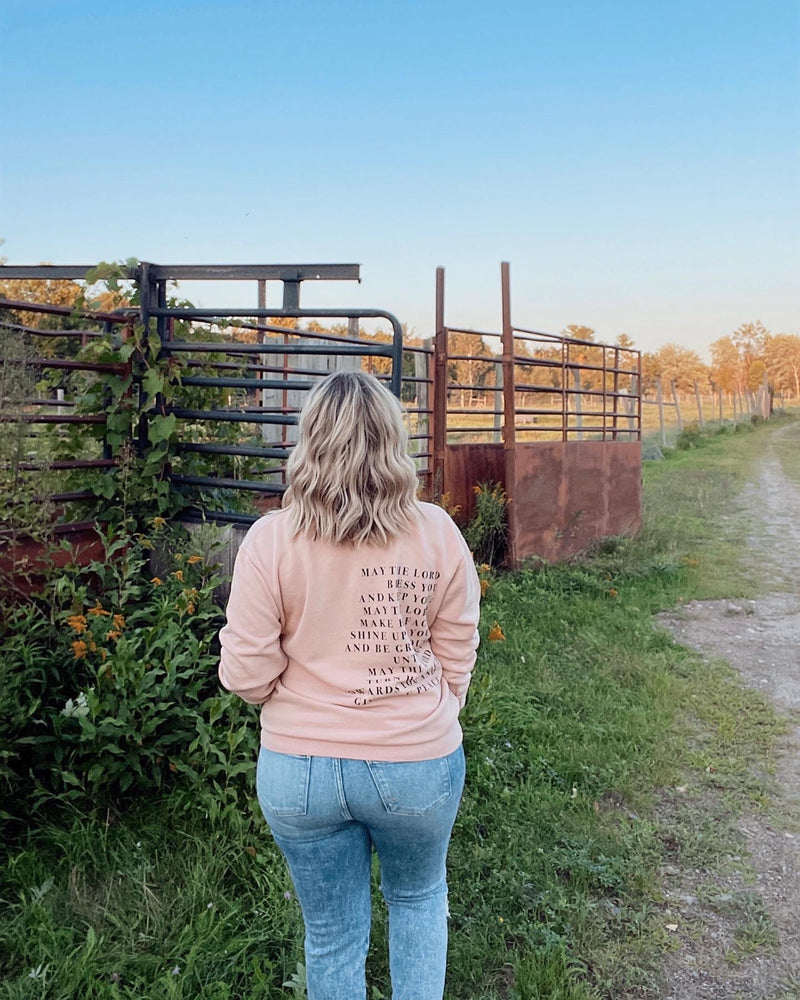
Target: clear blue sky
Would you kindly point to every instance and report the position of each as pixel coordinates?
(636, 161)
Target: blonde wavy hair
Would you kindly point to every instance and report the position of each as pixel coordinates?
(351, 478)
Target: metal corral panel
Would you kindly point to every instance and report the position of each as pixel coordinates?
(467, 465)
(568, 495)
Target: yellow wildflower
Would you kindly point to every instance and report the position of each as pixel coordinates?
(79, 649)
(484, 568)
(157, 581)
(496, 633)
(190, 609)
(77, 622)
(113, 633)
(484, 587)
(194, 559)
(98, 611)
(158, 522)
(477, 490)
(612, 592)
(119, 621)
(178, 574)
(178, 557)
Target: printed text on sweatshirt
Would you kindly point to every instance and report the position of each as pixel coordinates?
(363, 652)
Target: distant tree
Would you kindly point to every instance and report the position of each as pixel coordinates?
(578, 332)
(585, 355)
(726, 365)
(782, 360)
(623, 340)
(749, 339)
(471, 370)
(549, 373)
(650, 372)
(45, 292)
(681, 365)
(66, 294)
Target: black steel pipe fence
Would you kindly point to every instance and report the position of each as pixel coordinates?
(235, 386)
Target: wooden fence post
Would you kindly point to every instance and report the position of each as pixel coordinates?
(630, 404)
(699, 399)
(660, 401)
(678, 416)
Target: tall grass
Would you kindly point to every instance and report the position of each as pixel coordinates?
(580, 719)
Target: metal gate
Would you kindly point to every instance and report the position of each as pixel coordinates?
(238, 372)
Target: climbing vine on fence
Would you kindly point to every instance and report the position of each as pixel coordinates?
(140, 433)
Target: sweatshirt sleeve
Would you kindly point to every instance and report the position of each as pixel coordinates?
(454, 630)
(251, 655)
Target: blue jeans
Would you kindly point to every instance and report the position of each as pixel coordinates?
(326, 814)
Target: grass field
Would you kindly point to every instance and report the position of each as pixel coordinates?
(788, 449)
(578, 721)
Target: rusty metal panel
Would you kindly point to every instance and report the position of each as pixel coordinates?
(466, 465)
(570, 494)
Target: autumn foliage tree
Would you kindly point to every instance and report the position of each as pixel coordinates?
(782, 362)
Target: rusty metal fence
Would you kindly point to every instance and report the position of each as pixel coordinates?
(482, 405)
(520, 384)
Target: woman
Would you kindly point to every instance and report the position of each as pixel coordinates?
(352, 622)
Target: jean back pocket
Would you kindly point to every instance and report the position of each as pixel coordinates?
(412, 788)
(282, 783)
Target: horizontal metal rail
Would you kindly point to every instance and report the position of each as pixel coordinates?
(244, 450)
(233, 416)
(192, 272)
(113, 367)
(45, 402)
(375, 349)
(54, 418)
(244, 383)
(17, 328)
(229, 484)
(476, 333)
(123, 316)
(61, 464)
(194, 515)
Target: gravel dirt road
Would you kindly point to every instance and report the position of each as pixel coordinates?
(737, 927)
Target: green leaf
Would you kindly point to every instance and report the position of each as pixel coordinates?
(162, 428)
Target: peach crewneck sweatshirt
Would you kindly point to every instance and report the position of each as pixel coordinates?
(362, 652)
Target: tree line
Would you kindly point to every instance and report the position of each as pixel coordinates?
(740, 362)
